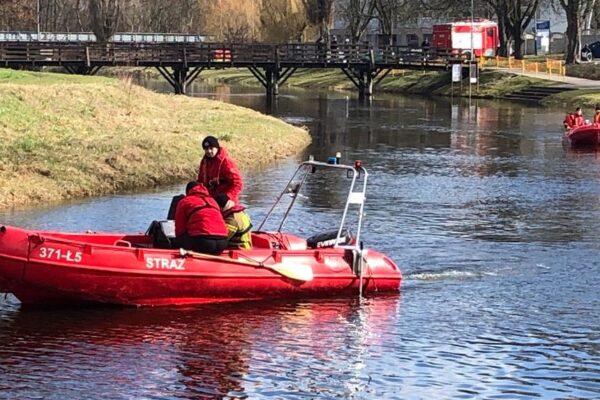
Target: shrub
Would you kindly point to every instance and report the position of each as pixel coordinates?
(587, 71)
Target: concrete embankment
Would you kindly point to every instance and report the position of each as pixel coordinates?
(64, 137)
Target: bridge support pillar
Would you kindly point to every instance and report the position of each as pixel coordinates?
(365, 87)
(271, 78)
(272, 81)
(365, 79)
(82, 69)
(180, 77)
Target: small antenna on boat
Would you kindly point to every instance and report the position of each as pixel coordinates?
(360, 270)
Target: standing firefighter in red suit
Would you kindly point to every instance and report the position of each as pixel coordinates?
(218, 171)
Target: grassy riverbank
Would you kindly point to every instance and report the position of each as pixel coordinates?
(575, 98)
(492, 83)
(66, 136)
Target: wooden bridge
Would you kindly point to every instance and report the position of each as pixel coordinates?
(181, 63)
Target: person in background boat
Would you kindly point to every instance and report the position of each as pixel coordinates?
(218, 172)
(199, 225)
(568, 121)
(238, 223)
(573, 120)
(597, 115)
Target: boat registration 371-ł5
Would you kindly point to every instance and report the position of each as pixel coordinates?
(51, 253)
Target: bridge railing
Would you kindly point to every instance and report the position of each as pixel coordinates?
(119, 37)
(119, 53)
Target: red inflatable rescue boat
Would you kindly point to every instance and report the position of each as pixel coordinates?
(584, 135)
(46, 267)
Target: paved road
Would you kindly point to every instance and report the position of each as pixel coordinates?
(567, 81)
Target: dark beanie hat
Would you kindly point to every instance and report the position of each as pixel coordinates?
(210, 141)
(221, 199)
(190, 186)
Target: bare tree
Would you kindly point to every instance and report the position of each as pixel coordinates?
(454, 9)
(283, 21)
(319, 13)
(576, 11)
(357, 14)
(104, 15)
(519, 17)
(595, 17)
(514, 16)
(17, 15)
(236, 29)
(393, 12)
(232, 20)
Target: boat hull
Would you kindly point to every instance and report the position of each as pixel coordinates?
(583, 136)
(61, 268)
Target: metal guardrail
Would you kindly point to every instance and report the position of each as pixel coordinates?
(121, 37)
(548, 66)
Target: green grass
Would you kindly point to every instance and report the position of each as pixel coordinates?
(65, 136)
(496, 84)
(574, 98)
(584, 70)
(48, 78)
(542, 58)
(492, 83)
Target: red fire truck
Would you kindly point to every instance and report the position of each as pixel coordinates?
(457, 36)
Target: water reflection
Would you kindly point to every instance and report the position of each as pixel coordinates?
(493, 222)
(239, 351)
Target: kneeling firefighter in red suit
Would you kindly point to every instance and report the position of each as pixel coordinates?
(573, 120)
(199, 225)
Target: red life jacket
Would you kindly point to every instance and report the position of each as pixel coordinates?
(198, 214)
(220, 175)
(569, 120)
(578, 120)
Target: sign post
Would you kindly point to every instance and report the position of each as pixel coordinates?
(473, 72)
(542, 36)
(456, 72)
(456, 76)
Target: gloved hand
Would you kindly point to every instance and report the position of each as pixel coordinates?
(230, 203)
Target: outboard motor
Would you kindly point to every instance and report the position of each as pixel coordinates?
(162, 234)
(173, 206)
(328, 239)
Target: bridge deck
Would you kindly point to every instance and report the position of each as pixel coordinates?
(301, 55)
(272, 65)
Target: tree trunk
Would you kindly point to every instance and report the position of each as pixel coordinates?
(576, 12)
(572, 51)
(518, 40)
(503, 38)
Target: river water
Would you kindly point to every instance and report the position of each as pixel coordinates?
(495, 225)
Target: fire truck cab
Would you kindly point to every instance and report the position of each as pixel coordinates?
(459, 37)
